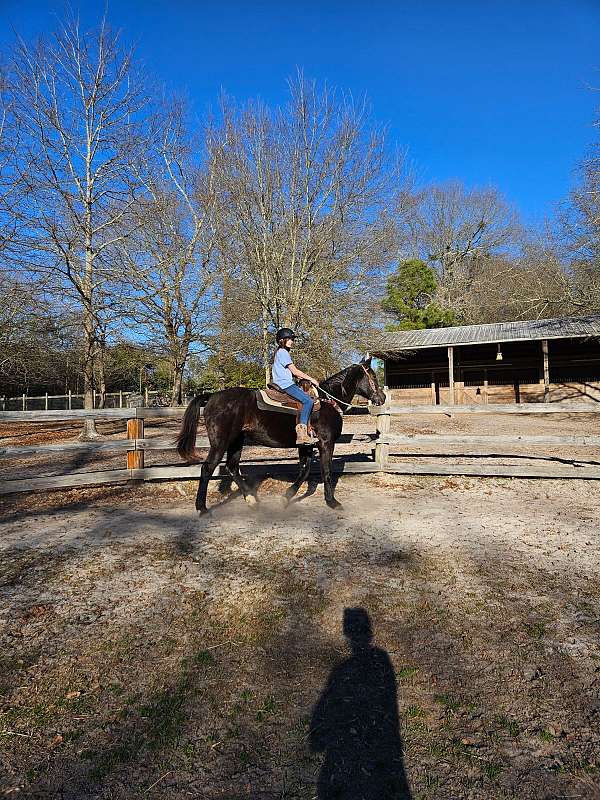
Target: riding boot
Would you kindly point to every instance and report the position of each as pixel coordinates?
(302, 436)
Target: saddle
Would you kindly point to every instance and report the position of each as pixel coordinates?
(275, 399)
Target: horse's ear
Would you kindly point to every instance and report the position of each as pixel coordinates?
(366, 360)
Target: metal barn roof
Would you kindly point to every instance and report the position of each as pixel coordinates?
(560, 328)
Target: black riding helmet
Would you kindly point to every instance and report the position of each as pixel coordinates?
(284, 333)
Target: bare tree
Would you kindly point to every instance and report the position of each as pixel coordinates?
(80, 104)
(303, 194)
(579, 222)
(170, 262)
(10, 183)
(454, 228)
(533, 285)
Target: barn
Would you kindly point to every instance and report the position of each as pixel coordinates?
(532, 361)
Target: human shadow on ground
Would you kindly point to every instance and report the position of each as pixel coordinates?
(355, 723)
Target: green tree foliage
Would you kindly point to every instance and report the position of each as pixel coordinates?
(410, 297)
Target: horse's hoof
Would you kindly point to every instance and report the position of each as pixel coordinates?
(202, 512)
(334, 504)
(284, 501)
(250, 500)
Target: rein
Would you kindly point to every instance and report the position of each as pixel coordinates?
(343, 402)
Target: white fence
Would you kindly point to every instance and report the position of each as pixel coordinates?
(75, 402)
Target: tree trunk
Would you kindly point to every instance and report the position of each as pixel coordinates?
(181, 350)
(177, 393)
(265, 345)
(89, 330)
(101, 372)
(89, 425)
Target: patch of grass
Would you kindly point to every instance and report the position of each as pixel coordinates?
(165, 715)
(36, 716)
(448, 702)
(510, 725)
(537, 630)
(546, 736)
(414, 712)
(267, 708)
(406, 672)
(204, 658)
(492, 770)
(440, 749)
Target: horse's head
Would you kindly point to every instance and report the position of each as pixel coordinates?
(367, 385)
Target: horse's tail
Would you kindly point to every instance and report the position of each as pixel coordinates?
(186, 441)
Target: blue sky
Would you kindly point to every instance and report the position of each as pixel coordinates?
(485, 91)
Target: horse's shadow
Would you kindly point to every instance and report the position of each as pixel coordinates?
(355, 723)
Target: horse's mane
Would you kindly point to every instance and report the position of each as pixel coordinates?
(336, 381)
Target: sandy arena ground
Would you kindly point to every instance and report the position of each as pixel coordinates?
(146, 653)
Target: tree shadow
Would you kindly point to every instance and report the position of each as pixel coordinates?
(355, 723)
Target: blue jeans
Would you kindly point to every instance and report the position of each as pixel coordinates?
(307, 402)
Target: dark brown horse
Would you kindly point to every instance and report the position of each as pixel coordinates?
(232, 415)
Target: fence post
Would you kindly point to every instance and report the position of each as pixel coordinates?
(146, 396)
(120, 399)
(383, 426)
(70, 402)
(24, 402)
(135, 430)
(46, 401)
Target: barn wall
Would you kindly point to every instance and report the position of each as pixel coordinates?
(528, 393)
(421, 376)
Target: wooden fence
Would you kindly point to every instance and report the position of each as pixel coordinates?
(388, 444)
(71, 401)
(134, 448)
(385, 445)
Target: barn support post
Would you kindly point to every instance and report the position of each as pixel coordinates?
(135, 430)
(546, 371)
(383, 427)
(451, 374)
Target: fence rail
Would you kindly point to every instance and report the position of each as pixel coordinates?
(393, 444)
(385, 445)
(135, 447)
(42, 402)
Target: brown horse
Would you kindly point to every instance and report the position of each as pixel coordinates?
(233, 414)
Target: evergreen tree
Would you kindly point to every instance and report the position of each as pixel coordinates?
(410, 293)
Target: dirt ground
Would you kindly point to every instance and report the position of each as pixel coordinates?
(435, 638)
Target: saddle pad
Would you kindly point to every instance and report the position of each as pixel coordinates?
(275, 393)
(266, 403)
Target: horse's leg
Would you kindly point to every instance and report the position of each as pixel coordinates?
(305, 454)
(234, 453)
(215, 454)
(326, 453)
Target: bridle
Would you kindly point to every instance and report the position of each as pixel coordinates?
(335, 401)
(370, 379)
